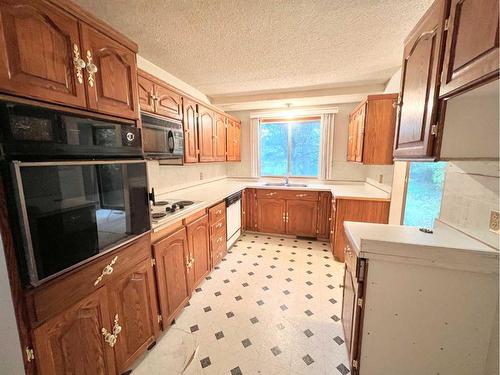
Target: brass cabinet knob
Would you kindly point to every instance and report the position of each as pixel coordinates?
(108, 270)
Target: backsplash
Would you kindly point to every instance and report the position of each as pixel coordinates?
(470, 191)
(164, 177)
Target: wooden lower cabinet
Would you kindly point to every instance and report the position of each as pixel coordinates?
(172, 257)
(198, 237)
(72, 341)
(271, 215)
(133, 299)
(356, 210)
(324, 214)
(301, 217)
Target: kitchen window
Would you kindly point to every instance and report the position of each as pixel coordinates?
(423, 193)
(289, 147)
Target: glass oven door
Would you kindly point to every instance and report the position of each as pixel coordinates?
(71, 212)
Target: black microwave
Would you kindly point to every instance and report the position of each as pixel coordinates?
(163, 138)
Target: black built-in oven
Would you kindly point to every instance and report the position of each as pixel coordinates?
(77, 187)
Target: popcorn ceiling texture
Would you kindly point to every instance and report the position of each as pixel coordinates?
(235, 46)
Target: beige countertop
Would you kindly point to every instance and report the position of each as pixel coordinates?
(446, 247)
(210, 193)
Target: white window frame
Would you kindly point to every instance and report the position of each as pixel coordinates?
(289, 130)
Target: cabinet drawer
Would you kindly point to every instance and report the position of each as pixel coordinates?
(218, 226)
(269, 193)
(217, 212)
(301, 195)
(53, 297)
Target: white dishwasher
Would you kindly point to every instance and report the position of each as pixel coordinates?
(233, 218)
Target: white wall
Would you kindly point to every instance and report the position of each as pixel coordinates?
(11, 361)
(343, 170)
(393, 85)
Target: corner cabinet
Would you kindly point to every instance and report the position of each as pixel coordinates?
(420, 78)
(471, 54)
(371, 130)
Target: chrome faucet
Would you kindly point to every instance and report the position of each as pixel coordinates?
(286, 180)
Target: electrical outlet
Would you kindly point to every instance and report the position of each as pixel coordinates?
(380, 178)
(495, 221)
(201, 175)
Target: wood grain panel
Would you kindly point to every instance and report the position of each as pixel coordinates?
(271, 215)
(37, 41)
(146, 94)
(220, 137)
(199, 249)
(191, 149)
(471, 55)
(419, 85)
(324, 214)
(302, 217)
(206, 133)
(168, 103)
(72, 342)
(356, 210)
(133, 298)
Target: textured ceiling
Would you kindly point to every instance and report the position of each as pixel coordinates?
(225, 47)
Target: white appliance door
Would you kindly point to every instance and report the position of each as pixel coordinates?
(233, 217)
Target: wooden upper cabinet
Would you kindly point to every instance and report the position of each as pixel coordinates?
(133, 300)
(190, 131)
(167, 102)
(420, 77)
(271, 215)
(72, 342)
(39, 43)
(471, 54)
(371, 130)
(301, 217)
(146, 94)
(110, 74)
(172, 256)
(233, 140)
(199, 250)
(220, 137)
(206, 133)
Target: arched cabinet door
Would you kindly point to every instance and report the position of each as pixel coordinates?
(72, 342)
(419, 85)
(206, 133)
(168, 102)
(110, 75)
(40, 45)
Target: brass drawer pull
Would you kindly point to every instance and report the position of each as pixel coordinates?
(108, 270)
(109, 337)
(218, 212)
(219, 225)
(271, 194)
(300, 195)
(91, 68)
(219, 240)
(79, 63)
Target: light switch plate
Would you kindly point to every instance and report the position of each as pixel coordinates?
(495, 221)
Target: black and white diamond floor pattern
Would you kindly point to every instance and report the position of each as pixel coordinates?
(272, 306)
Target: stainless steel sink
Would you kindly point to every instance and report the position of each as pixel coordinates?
(284, 184)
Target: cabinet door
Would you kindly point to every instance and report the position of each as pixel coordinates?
(471, 54)
(199, 250)
(72, 342)
(206, 133)
(333, 215)
(352, 138)
(168, 103)
(146, 94)
(324, 214)
(190, 132)
(237, 141)
(302, 217)
(133, 299)
(419, 84)
(359, 119)
(244, 209)
(230, 140)
(271, 215)
(172, 257)
(39, 43)
(220, 138)
(111, 74)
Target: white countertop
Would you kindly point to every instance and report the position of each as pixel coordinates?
(210, 193)
(446, 247)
